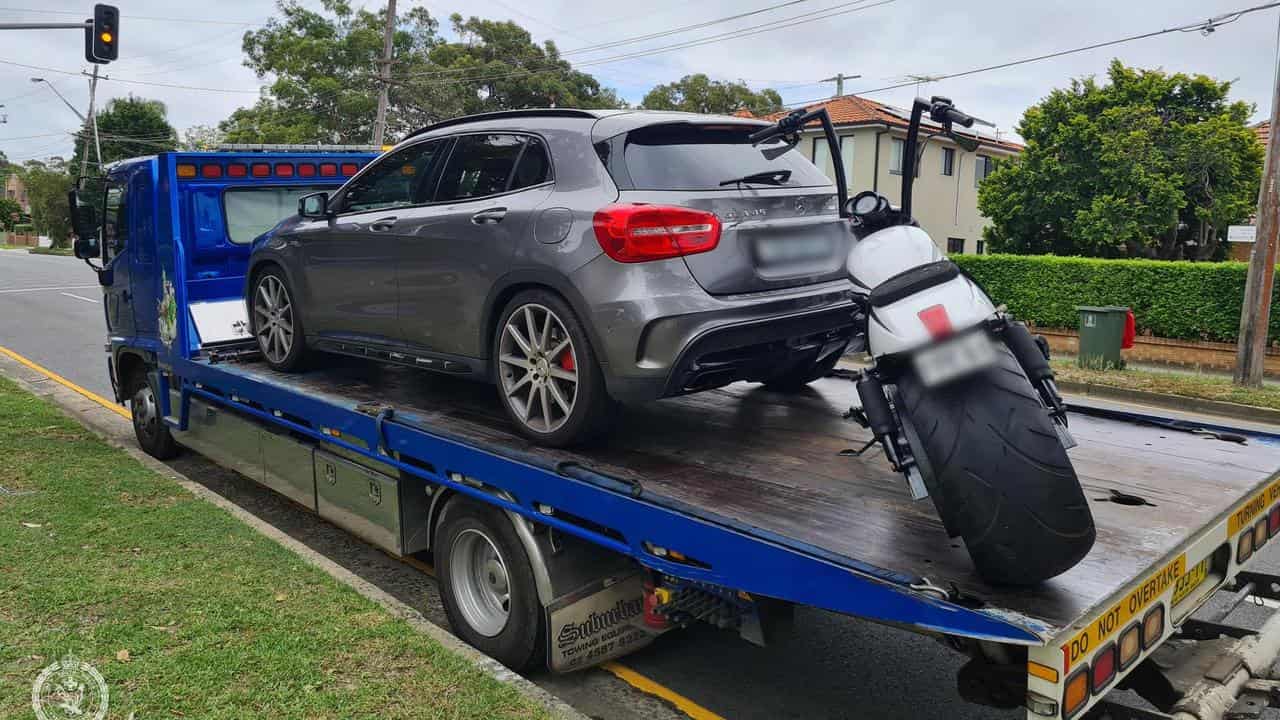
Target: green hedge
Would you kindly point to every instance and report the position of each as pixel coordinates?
(1182, 300)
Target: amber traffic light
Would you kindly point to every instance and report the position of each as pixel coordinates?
(102, 36)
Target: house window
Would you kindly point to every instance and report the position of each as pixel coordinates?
(982, 247)
(897, 150)
(982, 167)
(822, 156)
(948, 161)
(955, 246)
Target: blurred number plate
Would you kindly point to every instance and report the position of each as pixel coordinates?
(791, 249)
(955, 358)
(1190, 581)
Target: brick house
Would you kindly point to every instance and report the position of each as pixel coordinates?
(15, 189)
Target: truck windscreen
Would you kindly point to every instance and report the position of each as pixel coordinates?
(251, 211)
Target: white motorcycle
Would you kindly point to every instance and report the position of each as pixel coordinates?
(960, 396)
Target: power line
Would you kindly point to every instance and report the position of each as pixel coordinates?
(131, 82)
(205, 21)
(1205, 26)
(684, 28)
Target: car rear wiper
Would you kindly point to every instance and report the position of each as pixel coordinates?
(770, 177)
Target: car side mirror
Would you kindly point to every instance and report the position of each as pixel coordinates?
(314, 206)
(84, 220)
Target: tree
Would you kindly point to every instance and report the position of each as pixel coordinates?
(1149, 165)
(9, 211)
(324, 66)
(200, 137)
(128, 127)
(47, 186)
(700, 94)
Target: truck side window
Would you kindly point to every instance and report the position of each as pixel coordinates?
(115, 219)
(396, 180)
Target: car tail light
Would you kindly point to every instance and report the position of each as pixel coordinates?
(936, 321)
(1076, 694)
(237, 170)
(1273, 521)
(328, 170)
(1152, 627)
(284, 169)
(306, 170)
(261, 170)
(186, 171)
(350, 168)
(639, 233)
(211, 170)
(1104, 668)
(1130, 645)
(1260, 534)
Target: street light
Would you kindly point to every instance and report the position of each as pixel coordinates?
(79, 114)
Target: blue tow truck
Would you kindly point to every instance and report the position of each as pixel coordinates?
(730, 507)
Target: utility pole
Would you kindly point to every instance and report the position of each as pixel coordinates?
(1251, 344)
(839, 79)
(92, 125)
(384, 74)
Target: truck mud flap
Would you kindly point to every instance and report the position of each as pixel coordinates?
(601, 621)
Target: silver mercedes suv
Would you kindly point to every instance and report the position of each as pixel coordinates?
(574, 258)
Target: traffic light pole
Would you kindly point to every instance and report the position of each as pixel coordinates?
(46, 26)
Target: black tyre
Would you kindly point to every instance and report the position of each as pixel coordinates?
(487, 584)
(997, 472)
(148, 426)
(799, 378)
(548, 378)
(276, 322)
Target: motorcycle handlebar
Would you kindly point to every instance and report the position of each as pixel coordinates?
(958, 117)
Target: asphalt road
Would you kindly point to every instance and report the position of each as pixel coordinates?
(832, 666)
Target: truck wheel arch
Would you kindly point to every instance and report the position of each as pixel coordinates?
(524, 531)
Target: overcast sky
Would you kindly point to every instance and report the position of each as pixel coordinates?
(882, 43)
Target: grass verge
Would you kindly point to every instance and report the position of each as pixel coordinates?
(186, 611)
(50, 251)
(1183, 384)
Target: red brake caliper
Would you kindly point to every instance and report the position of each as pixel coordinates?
(566, 360)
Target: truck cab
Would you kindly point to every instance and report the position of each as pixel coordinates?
(199, 211)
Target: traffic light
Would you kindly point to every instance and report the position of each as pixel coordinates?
(102, 37)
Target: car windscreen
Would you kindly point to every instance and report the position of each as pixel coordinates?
(686, 156)
(251, 211)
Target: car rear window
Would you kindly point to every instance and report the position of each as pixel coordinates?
(684, 156)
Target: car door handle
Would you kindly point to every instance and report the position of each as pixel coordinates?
(492, 216)
(382, 224)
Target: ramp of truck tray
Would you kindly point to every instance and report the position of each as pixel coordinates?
(771, 464)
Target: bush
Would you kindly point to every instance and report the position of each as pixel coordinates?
(24, 229)
(1181, 300)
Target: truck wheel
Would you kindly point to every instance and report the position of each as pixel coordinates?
(998, 473)
(148, 426)
(487, 584)
(276, 323)
(548, 378)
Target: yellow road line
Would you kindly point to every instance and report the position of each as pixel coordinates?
(626, 674)
(117, 409)
(645, 685)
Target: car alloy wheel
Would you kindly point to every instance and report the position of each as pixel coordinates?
(538, 368)
(273, 314)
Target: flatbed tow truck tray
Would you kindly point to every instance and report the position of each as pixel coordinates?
(771, 463)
